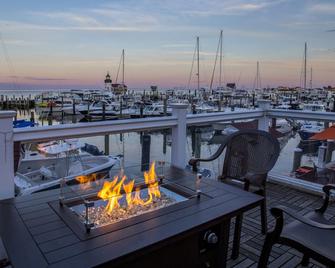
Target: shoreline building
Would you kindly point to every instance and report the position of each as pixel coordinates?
(116, 88)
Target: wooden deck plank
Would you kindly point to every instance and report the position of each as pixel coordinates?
(281, 256)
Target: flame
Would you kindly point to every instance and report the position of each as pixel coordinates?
(111, 191)
(128, 189)
(86, 181)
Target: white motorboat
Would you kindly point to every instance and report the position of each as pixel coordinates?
(314, 107)
(56, 106)
(57, 161)
(156, 109)
(308, 129)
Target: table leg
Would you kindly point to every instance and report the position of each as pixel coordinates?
(222, 255)
(237, 237)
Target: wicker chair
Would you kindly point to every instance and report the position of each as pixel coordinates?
(312, 234)
(250, 155)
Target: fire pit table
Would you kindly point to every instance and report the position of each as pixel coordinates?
(155, 219)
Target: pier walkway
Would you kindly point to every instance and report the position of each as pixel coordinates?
(252, 240)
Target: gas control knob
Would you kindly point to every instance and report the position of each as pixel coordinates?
(211, 237)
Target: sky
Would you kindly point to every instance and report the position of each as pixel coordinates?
(73, 43)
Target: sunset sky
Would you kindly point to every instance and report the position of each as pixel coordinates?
(73, 43)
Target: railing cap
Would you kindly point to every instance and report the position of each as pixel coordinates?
(7, 114)
(179, 105)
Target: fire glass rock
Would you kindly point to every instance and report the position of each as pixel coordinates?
(100, 216)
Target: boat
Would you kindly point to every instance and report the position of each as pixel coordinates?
(56, 106)
(54, 162)
(156, 109)
(23, 123)
(97, 107)
(314, 107)
(308, 129)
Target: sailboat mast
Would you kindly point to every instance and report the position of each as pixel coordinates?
(311, 81)
(122, 66)
(257, 83)
(220, 77)
(305, 66)
(198, 63)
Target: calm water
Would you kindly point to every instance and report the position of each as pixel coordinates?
(129, 144)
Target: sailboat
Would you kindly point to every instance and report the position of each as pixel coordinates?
(220, 89)
(120, 88)
(196, 54)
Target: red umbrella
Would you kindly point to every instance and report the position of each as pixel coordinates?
(327, 134)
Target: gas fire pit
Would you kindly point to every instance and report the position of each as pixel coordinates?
(98, 203)
(128, 219)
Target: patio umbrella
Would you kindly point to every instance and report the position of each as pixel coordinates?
(327, 134)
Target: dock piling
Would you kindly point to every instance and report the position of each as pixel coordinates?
(298, 153)
(145, 161)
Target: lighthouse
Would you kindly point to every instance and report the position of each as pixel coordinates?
(108, 82)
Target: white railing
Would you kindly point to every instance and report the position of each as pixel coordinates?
(177, 122)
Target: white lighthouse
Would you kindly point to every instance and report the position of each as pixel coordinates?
(108, 82)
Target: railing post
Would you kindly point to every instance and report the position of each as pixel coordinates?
(263, 123)
(178, 147)
(6, 155)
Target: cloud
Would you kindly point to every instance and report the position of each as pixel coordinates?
(19, 42)
(323, 50)
(231, 7)
(322, 8)
(18, 25)
(177, 45)
(34, 78)
(330, 31)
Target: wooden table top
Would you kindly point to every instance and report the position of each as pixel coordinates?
(36, 236)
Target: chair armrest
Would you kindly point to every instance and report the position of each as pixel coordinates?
(326, 189)
(194, 161)
(257, 179)
(278, 211)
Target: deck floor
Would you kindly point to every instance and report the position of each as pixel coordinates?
(252, 240)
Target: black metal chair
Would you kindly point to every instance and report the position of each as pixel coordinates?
(312, 234)
(250, 155)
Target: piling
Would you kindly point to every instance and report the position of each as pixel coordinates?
(73, 107)
(32, 117)
(219, 105)
(298, 153)
(164, 141)
(120, 108)
(74, 119)
(141, 109)
(62, 118)
(145, 161)
(50, 111)
(49, 121)
(322, 155)
(194, 111)
(329, 151)
(192, 128)
(253, 100)
(106, 144)
(197, 149)
(103, 111)
(165, 106)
